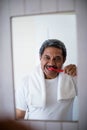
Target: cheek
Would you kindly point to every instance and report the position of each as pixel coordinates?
(59, 64)
(43, 63)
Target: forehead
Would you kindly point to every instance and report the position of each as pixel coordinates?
(53, 50)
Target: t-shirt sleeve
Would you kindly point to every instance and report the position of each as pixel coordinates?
(20, 95)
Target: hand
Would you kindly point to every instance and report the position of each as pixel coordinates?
(10, 124)
(70, 70)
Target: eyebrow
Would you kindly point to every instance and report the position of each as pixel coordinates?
(54, 57)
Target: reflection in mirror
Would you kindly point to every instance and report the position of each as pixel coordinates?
(42, 46)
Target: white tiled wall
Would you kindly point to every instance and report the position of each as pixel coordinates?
(9, 8)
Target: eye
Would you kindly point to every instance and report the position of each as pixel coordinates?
(46, 57)
(57, 59)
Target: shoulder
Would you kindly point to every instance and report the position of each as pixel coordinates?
(37, 71)
(23, 84)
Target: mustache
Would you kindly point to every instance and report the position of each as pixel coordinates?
(52, 66)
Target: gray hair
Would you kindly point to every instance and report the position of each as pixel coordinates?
(53, 43)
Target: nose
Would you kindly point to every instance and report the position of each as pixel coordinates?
(52, 62)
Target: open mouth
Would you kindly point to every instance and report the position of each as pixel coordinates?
(55, 69)
(51, 68)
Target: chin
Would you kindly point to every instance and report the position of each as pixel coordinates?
(50, 76)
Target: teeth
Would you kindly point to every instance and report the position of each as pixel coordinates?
(47, 67)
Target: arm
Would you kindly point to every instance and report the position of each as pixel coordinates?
(20, 99)
(20, 114)
(70, 70)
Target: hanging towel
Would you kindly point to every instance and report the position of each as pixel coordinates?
(66, 87)
(37, 88)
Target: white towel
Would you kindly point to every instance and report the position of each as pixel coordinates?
(66, 86)
(37, 88)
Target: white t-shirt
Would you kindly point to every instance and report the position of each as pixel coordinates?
(54, 109)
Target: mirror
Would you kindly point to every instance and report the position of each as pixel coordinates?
(28, 34)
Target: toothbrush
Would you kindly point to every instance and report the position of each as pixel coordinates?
(57, 70)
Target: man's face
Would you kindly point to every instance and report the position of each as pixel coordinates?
(51, 57)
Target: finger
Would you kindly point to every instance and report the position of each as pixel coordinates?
(72, 73)
(71, 70)
(68, 68)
